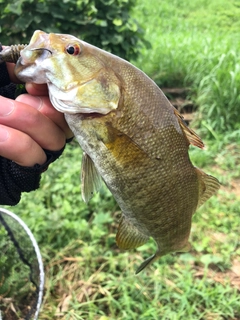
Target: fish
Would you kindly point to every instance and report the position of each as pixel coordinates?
(132, 138)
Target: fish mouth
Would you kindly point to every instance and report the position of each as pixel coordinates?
(29, 65)
(63, 99)
(39, 49)
(28, 55)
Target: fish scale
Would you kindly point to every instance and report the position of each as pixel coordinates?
(132, 137)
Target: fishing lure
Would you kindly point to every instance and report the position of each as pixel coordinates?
(11, 53)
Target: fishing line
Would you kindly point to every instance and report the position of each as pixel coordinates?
(28, 251)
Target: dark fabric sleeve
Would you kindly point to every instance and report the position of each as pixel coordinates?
(7, 89)
(15, 179)
(4, 77)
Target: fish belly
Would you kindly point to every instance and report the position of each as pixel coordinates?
(158, 196)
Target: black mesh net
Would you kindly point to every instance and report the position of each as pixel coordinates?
(21, 270)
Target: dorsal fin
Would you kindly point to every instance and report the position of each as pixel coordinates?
(208, 186)
(90, 178)
(191, 136)
(128, 236)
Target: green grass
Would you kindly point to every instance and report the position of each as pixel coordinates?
(88, 277)
(194, 44)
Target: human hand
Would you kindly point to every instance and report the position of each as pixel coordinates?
(30, 124)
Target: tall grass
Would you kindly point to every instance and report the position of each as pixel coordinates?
(195, 44)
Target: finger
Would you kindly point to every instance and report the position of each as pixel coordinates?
(20, 148)
(37, 89)
(24, 118)
(44, 105)
(12, 76)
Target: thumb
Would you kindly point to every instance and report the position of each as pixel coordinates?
(37, 89)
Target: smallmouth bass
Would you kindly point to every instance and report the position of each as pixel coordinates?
(132, 138)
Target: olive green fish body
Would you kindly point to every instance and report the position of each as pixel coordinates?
(143, 159)
(133, 176)
(131, 136)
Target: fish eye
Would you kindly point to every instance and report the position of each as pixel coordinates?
(73, 50)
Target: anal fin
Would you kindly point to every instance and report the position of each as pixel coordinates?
(128, 237)
(90, 178)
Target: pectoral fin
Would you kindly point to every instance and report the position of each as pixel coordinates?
(128, 236)
(191, 136)
(90, 178)
(208, 186)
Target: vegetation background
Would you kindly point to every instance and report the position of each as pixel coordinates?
(192, 45)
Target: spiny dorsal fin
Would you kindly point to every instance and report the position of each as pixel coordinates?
(208, 186)
(192, 137)
(128, 236)
(90, 178)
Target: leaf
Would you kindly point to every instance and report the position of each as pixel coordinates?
(101, 23)
(209, 258)
(15, 7)
(117, 22)
(23, 22)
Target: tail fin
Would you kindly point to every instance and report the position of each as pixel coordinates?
(208, 186)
